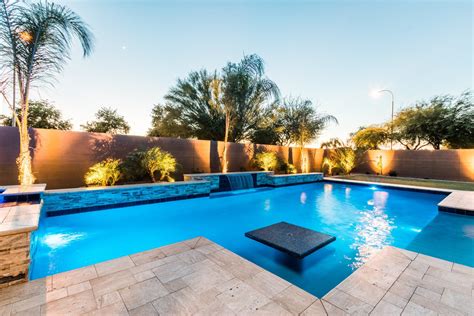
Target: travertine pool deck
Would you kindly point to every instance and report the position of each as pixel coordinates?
(199, 277)
(401, 282)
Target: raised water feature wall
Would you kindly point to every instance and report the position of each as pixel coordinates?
(239, 181)
(219, 181)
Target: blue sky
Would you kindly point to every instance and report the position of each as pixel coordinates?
(332, 52)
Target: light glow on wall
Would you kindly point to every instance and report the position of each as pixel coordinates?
(381, 161)
(466, 157)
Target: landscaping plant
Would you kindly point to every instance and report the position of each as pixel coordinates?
(159, 161)
(132, 167)
(267, 160)
(35, 42)
(287, 168)
(104, 173)
(341, 160)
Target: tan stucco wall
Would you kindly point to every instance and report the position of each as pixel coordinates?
(61, 158)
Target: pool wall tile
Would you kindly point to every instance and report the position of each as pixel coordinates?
(89, 199)
(291, 179)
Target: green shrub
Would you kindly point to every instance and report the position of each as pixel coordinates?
(104, 173)
(267, 160)
(328, 165)
(340, 160)
(287, 168)
(132, 167)
(156, 161)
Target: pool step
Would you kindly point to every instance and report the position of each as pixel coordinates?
(459, 202)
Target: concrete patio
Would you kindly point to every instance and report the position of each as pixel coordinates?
(199, 277)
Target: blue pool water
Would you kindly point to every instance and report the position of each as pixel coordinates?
(363, 219)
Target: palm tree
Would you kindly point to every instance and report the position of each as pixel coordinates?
(246, 92)
(193, 106)
(303, 123)
(35, 42)
(227, 105)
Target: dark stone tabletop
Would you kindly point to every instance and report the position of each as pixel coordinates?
(294, 240)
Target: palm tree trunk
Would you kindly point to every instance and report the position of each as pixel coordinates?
(25, 170)
(226, 137)
(302, 156)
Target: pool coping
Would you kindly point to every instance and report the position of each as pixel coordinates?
(122, 204)
(122, 186)
(390, 185)
(200, 276)
(21, 217)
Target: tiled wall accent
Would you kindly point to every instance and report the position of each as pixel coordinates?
(212, 178)
(83, 198)
(289, 179)
(261, 178)
(14, 258)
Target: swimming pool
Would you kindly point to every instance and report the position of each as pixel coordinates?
(363, 219)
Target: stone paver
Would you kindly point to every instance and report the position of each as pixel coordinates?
(400, 282)
(194, 277)
(199, 277)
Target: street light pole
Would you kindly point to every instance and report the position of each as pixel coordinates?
(391, 124)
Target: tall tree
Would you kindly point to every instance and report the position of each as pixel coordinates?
(443, 120)
(35, 40)
(372, 137)
(333, 143)
(189, 110)
(192, 108)
(41, 114)
(244, 93)
(303, 123)
(270, 130)
(107, 121)
(247, 92)
(224, 106)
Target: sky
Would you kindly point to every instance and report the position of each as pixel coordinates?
(332, 52)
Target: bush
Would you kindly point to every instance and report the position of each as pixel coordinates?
(340, 160)
(156, 160)
(287, 168)
(104, 173)
(392, 173)
(266, 160)
(132, 167)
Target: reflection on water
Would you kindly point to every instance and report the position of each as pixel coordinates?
(303, 197)
(373, 230)
(58, 240)
(347, 192)
(267, 205)
(327, 189)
